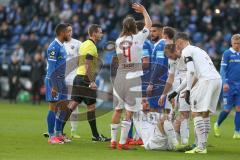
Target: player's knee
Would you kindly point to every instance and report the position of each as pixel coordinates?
(227, 110)
(129, 115)
(184, 115)
(52, 106)
(91, 108)
(237, 108)
(118, 111)
(168, 111)
(196, 114)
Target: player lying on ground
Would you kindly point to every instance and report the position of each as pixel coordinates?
(157, 132)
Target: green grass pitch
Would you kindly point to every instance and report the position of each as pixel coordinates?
(22, 125)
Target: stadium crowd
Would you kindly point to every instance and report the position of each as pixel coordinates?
(27, 27)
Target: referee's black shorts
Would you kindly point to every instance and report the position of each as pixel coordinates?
(82, 92)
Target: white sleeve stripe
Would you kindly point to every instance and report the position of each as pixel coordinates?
(52, 59)
(223, 64)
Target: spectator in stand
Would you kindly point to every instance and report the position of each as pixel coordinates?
(14, 70)
(37, 75)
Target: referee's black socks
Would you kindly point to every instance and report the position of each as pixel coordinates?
(92, 122)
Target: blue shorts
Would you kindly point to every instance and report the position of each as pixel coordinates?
(231, 98)
(62, 91)
(153, 100)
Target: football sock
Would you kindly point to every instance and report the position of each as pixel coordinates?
(74, 120)
(125, 127)
(195, 137)
(222, 116)
(207, 126)
(63, 125)
(51, 122)
(237, 121)
(114, 130)
(58, 124)
(200, 131)
(170, 132)
(92, 122)
(130, 133)
(184, 131)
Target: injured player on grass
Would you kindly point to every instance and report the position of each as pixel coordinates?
(157, 132)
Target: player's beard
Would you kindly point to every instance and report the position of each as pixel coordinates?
(66, 39)
(155, 39)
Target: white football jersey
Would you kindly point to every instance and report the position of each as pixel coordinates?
(178, 68)
(72, 48)
(131, 47)
(204, 67)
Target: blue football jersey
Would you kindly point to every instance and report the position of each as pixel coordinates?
(230, 66)
(56, 62)
(159, 67)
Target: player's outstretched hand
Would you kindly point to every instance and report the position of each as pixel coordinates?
(138, 8)
(161, 100)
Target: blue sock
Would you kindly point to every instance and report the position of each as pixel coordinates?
(223, 115)
(51, 122)
(237, 121)
(130, 133)
(59, 124)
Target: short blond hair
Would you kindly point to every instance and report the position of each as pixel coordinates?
(236, 37)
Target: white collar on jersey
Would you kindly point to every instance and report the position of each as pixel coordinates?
(155, 44)
(232, 50)
(60, 43)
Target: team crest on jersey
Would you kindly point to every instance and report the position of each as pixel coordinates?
(52, 53)
(72, 47)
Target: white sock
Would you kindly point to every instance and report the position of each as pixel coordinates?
(195, 136)
(207, 126)
(114, 130)
(200, 131)
(184, 131)
(136, 136)
(125, 127)
(170, 132)
(74, 120)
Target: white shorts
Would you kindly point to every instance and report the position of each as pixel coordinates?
(205, 95)
(127, 93)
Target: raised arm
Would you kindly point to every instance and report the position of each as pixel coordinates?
(141, 9)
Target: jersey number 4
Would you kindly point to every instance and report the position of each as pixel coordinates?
(127, 53)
